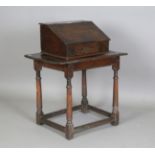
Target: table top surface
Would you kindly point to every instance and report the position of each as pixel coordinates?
(53, 60)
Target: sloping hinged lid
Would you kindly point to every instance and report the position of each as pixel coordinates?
(77, 32)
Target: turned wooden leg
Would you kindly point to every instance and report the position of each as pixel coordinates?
(84, 102)
(115, 112)
(39, 113)
(69, 124)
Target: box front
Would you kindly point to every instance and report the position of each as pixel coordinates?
(87, 49)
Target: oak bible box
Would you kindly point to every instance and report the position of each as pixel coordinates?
(72, 40)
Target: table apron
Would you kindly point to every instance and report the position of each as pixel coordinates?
(83, 65)
(95, 63)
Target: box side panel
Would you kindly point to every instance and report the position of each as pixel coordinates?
(104, 46)
(50, 43)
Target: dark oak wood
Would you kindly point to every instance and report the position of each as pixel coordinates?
(54, 125)
(39, 113)
(69, 124)
(72, 40)
(68, 67)
(59, 62)
(100, 111)
(70, 47)
(92, 124)
(59, 112)
(115, 112)
(84, 102)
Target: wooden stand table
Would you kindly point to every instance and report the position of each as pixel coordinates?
(68, 67)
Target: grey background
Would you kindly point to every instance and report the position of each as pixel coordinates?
(131, 30)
